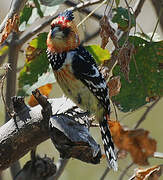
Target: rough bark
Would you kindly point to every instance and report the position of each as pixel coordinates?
(55, 118)
(31, 130)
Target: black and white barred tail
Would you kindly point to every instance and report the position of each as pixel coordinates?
(108, 144)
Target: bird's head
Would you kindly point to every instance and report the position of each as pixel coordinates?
(63, 35)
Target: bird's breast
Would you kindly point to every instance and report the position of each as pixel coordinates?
(74, 89)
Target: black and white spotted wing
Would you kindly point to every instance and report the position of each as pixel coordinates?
(85, 69)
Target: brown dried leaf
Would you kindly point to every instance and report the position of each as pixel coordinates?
(124, 58)
(12, 25)
(31, 53)
(136, 142)
(107, 32)
(44, 90)
(152, 173)
(114, 85)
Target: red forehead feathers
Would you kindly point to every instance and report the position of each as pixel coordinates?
(62, 21)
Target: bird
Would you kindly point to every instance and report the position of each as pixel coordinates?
(78, 75)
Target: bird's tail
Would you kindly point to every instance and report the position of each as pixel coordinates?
(108, 144)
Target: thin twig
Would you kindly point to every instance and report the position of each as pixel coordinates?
(158, 6)
(115, 111)
(129, 15)
(156, 24)
(125, 171)
(115, 58)
(143, 117)
(48, 20)
(105, 173)
(81, 22)
(138, 7)
(130, 113)
(85, 3)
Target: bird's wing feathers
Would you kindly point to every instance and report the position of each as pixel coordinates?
(85, 69)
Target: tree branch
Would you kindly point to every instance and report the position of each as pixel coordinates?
(137, 10)
(146, 113)
(125, 170)
(47, 20)
(16, 7)
(138, 7)
(33, 128)
(105, 173)
(158, 5)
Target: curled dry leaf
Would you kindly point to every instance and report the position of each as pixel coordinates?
(45, 90)
(152, 173)
(136, 142)
(107, 32)
(32, 53)
(114, 85)
(124, 58)
(12, 25)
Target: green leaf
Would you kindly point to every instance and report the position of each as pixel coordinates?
(98, 53)
(122, 18)
(117, 2)
(145, 75)
(48, 11)
(3, 50)
(36, 62)
(25, 14)
(46, 78)
(30, 14)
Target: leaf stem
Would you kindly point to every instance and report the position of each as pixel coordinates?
(105, 173)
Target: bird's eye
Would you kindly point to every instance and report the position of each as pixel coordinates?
(55, 26)
(66, 31)
(52, 26)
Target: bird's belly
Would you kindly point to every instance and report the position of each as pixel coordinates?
(78, 92)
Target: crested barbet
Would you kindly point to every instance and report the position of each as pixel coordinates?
(78, 76)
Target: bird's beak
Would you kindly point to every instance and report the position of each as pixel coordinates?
(56, 33)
